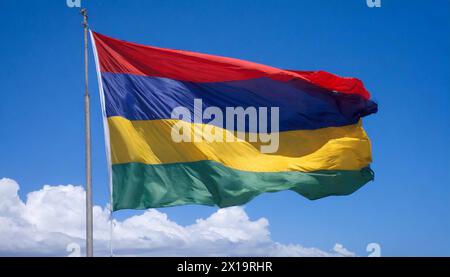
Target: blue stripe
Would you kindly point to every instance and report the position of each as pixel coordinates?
(302, 106)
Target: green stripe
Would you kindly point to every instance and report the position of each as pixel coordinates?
(142, 186)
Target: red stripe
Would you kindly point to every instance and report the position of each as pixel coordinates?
(118, 56)
(334, 82)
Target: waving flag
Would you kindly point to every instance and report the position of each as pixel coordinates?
(171, 139)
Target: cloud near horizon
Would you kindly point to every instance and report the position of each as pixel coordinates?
(51, 222)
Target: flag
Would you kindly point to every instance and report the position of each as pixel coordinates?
(190, 128)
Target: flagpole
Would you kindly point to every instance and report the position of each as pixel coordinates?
(89, 219)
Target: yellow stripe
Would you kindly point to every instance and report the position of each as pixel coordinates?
(150, 142)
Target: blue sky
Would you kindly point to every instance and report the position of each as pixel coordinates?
(401, 51)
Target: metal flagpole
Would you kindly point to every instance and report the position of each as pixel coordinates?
(87, 121)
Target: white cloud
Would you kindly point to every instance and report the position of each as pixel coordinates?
(53, 217)
(340, 249)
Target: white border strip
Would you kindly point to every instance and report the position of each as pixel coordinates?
(106, 133)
